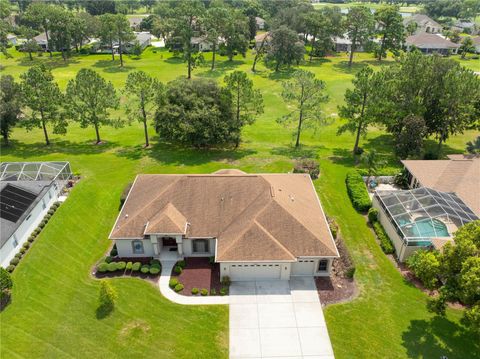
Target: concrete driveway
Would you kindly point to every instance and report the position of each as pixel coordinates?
(277, 319)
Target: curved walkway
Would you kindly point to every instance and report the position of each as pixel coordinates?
(168, 293)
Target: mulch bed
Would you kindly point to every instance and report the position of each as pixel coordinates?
(199, 273)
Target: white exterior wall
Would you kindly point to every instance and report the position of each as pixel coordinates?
(307, 268)
(31, 222)
(125, 249)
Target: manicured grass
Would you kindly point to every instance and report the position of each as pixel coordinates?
(54, 299)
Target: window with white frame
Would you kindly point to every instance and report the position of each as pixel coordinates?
(137, 247)
(323, 265)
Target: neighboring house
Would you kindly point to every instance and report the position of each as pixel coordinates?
(41, 41)
(144, 38)
(27, 190)
(260, 37)
(476, 43)
(445, 196)
(431, 44)
(135, 21)
(257, 226)
(201, 43)
(260, 23)
(423, 23)
(344, 44)
(11, 38)
(465, 26)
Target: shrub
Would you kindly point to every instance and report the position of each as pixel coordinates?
(107, 296)
(145, 269)
(358, 151)
(35, 232)
(6, 282)
(126, 190)
(204, 292)
(213, 291)
(426, 267)
(309, 166)
(14, 261)
(178, 287)
(129, 266)
(177, 269)
(51, 211)
(22, 250)
(136, 266)
(357, 191)
(333, 228)
(172, 283)
(47, 217)
(372, 215)
(385, 242)
(350, 272)
(108, 259)
(112, 267)
(226, 280)
(113, 252)
(26, 245)
(121, 265)
(157, 266)
(211, 260)
(194, 291)
(223, 291)
(102, 267)
(10, 268)
(155, 262)
(18, 255)
(154, 270)
(181, 264)
(31, 238)
(430, 155)
(41, 225)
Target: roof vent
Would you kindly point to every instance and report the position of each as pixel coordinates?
(291, 198)
(126, 216)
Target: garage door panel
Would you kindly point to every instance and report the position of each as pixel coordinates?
(303, 267)
(255, 271)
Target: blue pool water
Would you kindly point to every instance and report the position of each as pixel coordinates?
(426, 228)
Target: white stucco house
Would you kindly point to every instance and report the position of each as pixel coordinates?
(27, 190)
(256, 226)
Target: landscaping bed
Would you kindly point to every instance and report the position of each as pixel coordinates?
(144, 267)
(199, 273)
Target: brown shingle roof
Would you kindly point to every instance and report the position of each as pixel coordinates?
(459, 174)
(430, 41)
(253, 217)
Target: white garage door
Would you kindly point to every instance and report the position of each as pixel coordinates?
(254, 271)
(303, 267)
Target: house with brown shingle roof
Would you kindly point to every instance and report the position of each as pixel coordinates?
(431, 44)
(256, 226)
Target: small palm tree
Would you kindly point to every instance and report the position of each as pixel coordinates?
(466, 46)
(473, 147)
(372, 162)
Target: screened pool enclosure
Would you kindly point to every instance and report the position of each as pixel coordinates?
(421, 214)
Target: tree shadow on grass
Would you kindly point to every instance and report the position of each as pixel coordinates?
(172, 154)
(284, 74)
(431, 145)
(344, 157)
(103, 311)
(55, 62)
(220, 68)
(111, 66)
(439, 337)
(318, 61)
(174, 60)
(28, 150)
(297, 152)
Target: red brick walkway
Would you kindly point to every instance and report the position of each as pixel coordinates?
(199, 273)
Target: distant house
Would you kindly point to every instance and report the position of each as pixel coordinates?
(135, 21)
(201, 43)
(424, 24)
(260, 23)
(431, 44)
(465, 26)
(344, 44)
(27, 191)
(260, 38)
(476, 43)
(12, 39)
(144, 38)
(41, 41)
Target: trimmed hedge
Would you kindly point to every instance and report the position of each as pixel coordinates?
(357, 191)
(385, 242)
(14, 261)
(172, 283)
(18, 255)
(10, 268)
(145, 269)
(178, 287)
(121, 265)
(102, 267)
(136, 266)
(204, 292)
(181, 264)
(372, 215)
(154, 270)
(112, 267)
(129, 266)
(155, 262)
(194, 291)
(177, 269)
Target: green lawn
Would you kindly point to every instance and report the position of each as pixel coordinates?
(54, 298)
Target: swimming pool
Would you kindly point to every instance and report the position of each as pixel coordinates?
(426, 228)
